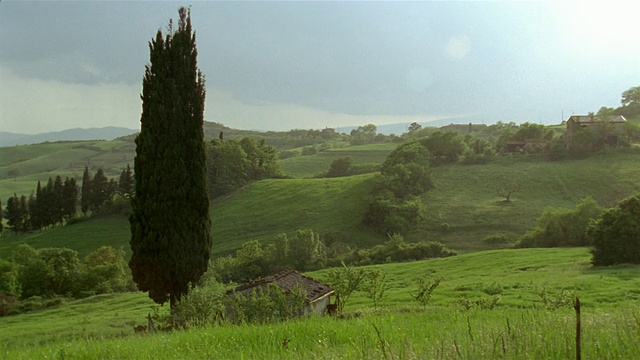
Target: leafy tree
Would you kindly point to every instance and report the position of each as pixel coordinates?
(306, 251)
(363, 134)
(104, 271)
(414, 127)
(376, 286)
(85, 196)
(615, 235)
(345, 280)
(340, 167)
(532, 131)
(9, 279)
(262, 158)
(444, 147)
(227, 167)
(426, 286)
(631, 96)
(170, 224)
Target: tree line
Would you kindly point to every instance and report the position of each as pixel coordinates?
(31, 279)
(56, 202)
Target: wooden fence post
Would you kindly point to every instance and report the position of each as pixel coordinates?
(576, 306)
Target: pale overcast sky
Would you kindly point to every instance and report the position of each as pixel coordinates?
(284, 65)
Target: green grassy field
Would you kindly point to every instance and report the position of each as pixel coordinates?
(38, 162)
(309, 166)
(518, 327)
(84, 237)
(267, 208)
(466, 197)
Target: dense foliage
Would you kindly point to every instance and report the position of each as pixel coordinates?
(395, 205)
(33, 275)
(615, 235)
(232, 164)
(306, 251)
(562, 227)
(170, 224)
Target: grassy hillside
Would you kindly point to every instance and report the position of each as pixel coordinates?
(520, 326)
(269, 207)
(21, 167)
(84, 237)
(259, 212)
(308, 166)
(466, 197)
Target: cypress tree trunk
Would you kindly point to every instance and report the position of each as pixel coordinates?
(170, 224)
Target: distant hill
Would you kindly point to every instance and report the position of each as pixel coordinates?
(105, 133)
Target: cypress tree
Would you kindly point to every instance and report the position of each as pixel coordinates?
(100, 191)
(85, 196)
(170, 224)
(1, 224)
(125, 183)
(70, 198)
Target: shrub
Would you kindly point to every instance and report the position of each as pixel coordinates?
(562, 227)
(616, 234)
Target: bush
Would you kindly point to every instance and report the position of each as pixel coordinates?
(616, 234)
(562, 227)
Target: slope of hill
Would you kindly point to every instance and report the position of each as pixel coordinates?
(104, 133)
(461, 210)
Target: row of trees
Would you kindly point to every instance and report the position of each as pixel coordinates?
(306, 251)
(56, 202)
(31, 275)
(51, 205)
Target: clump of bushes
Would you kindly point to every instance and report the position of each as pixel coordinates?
(562, 227)
(34, 279)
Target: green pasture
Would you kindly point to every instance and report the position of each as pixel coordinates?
(311, 165)
(520, 326)
(84, 237)
(270, 207)
(464, 206)
(21, 167)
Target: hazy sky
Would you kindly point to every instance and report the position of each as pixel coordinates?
(284, 65)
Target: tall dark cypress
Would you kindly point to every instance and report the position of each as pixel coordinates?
(85, 193)
(170, 224)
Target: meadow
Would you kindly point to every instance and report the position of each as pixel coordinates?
(525, 322)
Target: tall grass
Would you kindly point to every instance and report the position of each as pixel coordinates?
(435, 333)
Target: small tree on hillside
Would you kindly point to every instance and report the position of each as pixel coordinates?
(170, 223)
(345, 280)
(125, 183)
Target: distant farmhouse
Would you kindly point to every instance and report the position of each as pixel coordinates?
(464, 129)
(611, 126)
(317, 299)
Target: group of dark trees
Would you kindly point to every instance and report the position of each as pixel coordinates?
(56, 202)
(50, 205)
(98, 191)
(32, 278)
(232, 164)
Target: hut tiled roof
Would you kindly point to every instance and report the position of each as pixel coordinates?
(587, 119)
(287, 280)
